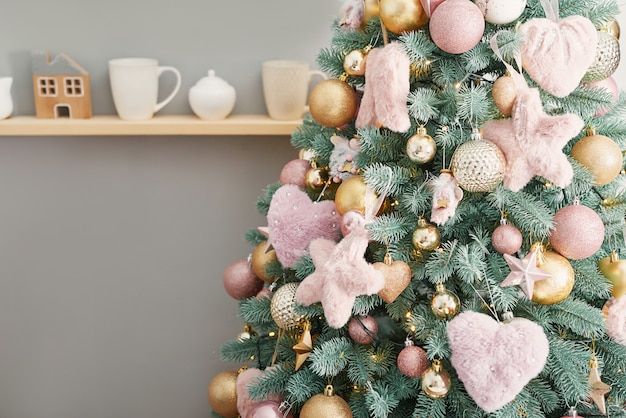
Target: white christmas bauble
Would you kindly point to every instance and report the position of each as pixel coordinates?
(501, 12)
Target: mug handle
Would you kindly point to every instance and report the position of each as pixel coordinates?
(169, 98)
(312, 74)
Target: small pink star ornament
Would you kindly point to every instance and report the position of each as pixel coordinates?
(524, 272)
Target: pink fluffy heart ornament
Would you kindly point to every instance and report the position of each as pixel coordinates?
(495, 360)
(293, 221)
(557, 54)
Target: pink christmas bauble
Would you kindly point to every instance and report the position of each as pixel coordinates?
(412, 361)
(457, 26)
(363, 329)
(506, 239)
(611, 85)
(240, 282)
(267, 409)
(294, 172)
(433, 5)
(578, 232)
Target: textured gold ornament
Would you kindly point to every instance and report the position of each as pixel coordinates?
(478, 165)
(504, 93)
(397, 276)
(316, 178)
(222, 394)
(421, 147)
(436, 382)
(283, 307)
(612, 28)
(326, 405)
(355, 61)
(596, 386)
(354, 194)
(333, 103)
(600, 155)
(426, 236)
(561, 282)
(444, 303)
(402, 15)
(260, 259)
(614, 270)
(607, 58)
(305, 345)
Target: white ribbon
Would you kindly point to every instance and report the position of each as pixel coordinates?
(426, 6)
(515, 74)
(551, 7)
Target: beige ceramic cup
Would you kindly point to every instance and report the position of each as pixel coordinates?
(286, 87)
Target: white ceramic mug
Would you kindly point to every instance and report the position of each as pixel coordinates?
(135, 87)
(286, 87)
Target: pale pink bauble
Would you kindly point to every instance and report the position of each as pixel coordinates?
(412, 361)
(363, 329)
(240, 282)
(456, 26)
(433, 4)
(506, 239)
(264, 293)
(611, 85)
(267, 409)
(578, 232)
(294, 172)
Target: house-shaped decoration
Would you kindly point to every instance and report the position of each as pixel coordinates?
(61, 87)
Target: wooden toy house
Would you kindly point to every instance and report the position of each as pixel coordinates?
(61, 87)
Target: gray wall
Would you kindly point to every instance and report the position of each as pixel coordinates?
(112, 249)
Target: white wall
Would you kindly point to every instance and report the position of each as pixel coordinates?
(112, 249)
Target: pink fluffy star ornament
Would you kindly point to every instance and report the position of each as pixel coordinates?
(341, 272)
(524, 273)
(532, 141)
(294, 221)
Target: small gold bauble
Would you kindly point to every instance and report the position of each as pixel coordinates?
(354, 62)
(561, 282)
(283, 307)
(371, 10)
(607, 58)
(478, 165)
(426, 236)
(260, 259)
(600, 155)
(222, 394)
(402, 15)
(614, 270)
(316, 178)
(444, 303)
(326, 405)
(333, 103)
(612, 28)
(354, 194)
(504, 92)
(421, 147)
(436, 382)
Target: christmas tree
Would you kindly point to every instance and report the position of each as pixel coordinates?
(450, 241)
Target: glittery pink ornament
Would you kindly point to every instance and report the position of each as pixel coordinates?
(456, 26)
(412, 361)
(267, 409)
(610, 85)
(240, 282)
(506, 239)
(578, 232)
(294, 172)
(363, 329)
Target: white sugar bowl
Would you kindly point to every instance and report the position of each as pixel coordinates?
(212, 98)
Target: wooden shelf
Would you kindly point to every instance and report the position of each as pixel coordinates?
(158, 125)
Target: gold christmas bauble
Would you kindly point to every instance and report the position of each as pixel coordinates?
(612, 28)
(260, 259)
(444, 303)
(402, 15)
(284, 307)
(326, 405)
(371, 10)
(561, 282)
(504, 93)
(478, 165)
(316, 178)
(333, 103)
(222, 394)
(600, 155)
(607, 58)
(354, 62)
(614, 270)
(436, 382)
(354, 194)
(421, 147)
(426, 236)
